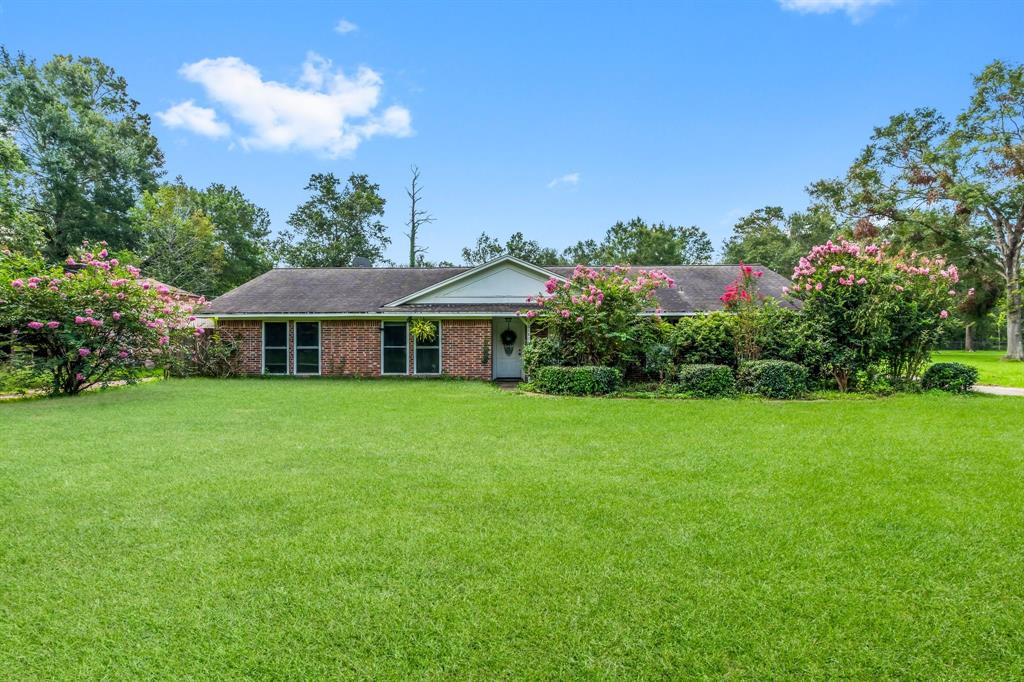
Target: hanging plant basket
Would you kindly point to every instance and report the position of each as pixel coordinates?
(423, 330)
(508, 341)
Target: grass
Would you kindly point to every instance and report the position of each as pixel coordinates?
(990, 363)
(440, 530)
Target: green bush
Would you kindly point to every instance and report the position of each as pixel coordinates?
(954, 377)
(541, 351)
(577, 380)
(707, 381)
(706, 339)
(778, 379)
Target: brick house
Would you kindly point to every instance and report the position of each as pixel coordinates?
(356, 321)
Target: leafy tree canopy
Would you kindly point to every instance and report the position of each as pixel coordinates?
(638, 243)
(336, 224)
(488, 248)
(770, 238)
(86, 151)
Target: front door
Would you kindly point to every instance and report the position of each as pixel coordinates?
(508, 335)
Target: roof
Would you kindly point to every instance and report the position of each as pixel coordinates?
(369, 291)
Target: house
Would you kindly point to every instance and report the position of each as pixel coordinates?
(355, 321)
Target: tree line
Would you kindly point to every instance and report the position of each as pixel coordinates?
(78, 161)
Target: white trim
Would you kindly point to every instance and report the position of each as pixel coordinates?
(319, 350)
(440, 355)
(263, 348)
(394, 374)
(473, 271)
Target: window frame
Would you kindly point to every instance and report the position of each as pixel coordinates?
(437, 344)
(263, 348)
(405, 335)
(319, 349)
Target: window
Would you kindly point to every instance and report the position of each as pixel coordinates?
(428, 353)
(307, 347)
(275, 347)
(394, 348)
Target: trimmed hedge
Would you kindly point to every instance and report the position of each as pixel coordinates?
(707, 381)
(576, 380)
(776, 379)
(953, 377)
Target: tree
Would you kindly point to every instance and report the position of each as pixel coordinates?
(488, 248)
(177, 242)
(417, 218)
(639, 243)
(770, 238)
(87, 149)
(335, 225)
(94, 322)
(922, 171)
(242, 229)
(19, 227)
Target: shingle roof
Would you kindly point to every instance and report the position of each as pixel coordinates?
(339, 291)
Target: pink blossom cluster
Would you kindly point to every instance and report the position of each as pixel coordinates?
(588, 288)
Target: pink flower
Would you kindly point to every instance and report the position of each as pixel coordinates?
(116, 315)
(145, 286)
(200, 331)
(79, 377)
(70, 260)
(943, 314)
(951, 292)
(103, 253)
(84, 352)
(35, 325)
(53, 324)
(565, 313)
(164, 340)
(162, 289)
(79, 319)
(122, 354)
(17, 283)
(862, 281)
(96, 323)
(817, 287)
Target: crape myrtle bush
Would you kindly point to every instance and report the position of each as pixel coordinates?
(91, 320)
(580, 380)
(863, 307)
(778, 379)
(707, 381)
(953, 377)
(596, 315)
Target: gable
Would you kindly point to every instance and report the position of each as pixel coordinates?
(503, 283)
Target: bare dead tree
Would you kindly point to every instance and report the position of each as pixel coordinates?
(417, 216)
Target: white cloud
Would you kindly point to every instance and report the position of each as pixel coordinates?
(197, 119)
(327, 111)
(856, 10)
(345, 26)
(567, 180)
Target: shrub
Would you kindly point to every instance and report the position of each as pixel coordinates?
(705, 339)
(204, 355)
(540, 351)
(90, 322)
(577, 380)
(707, 381)
(865, 307)
(778, 379)
(658, 360)
(954, 377)
(596, 314)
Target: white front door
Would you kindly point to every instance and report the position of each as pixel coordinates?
(507, 336)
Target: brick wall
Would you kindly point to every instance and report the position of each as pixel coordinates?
(248, 334)
(352, 347)
(463, 343)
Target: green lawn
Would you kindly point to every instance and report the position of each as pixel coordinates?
(990, 363)
(393, 529)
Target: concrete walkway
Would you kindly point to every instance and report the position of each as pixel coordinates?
(998, 390)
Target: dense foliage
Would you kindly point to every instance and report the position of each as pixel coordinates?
(863, 307)
(597, 315)
(777, 379)
(88, 322)
(581, 380)
(953, 377)
(707, 381)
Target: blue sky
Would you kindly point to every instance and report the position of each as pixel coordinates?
(554, 119)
